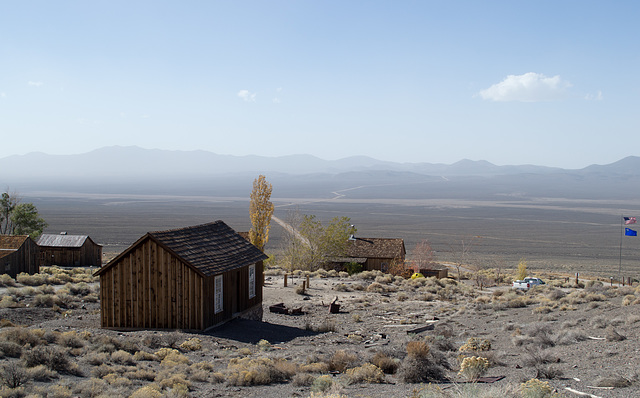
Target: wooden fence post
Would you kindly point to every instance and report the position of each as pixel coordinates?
(285, 280)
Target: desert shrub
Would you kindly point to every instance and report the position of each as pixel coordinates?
(420, 370)
(367, 373)
(97, 358)
(59, 391)
(341, 287)
(6, 281)
(341, 360)
(535, 388)
(630, 299)
(13, 375)
(613, 381)
(193, 344)
(377, 287)
(250, 372)
(599, 321)
(122, 357)
(116, 380)
(613, 335)
(315, 367)
(548, 372)
(570, 337)
(48, 301)
(175, 380)
(91, 388)
(475, 344)
(10, 349)
(52, 357)
(385, 363)
(542, 309)
(417, 349)
(541, 335)
(9, 302)
(145, 356)
(42, 373)
(264, 345)
(31, 280)
(473, 367)
(322, 384)
(79, 289)
(7, 392)
(148, 391)
(302, 380)
(70, 339)
(21, 336)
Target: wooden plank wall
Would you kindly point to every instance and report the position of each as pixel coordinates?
(150, 288)
(88, 254)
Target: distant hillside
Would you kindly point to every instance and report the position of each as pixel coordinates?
(135, 170)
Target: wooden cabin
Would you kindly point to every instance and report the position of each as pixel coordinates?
(18, 254)
(376, 253)
(69, 250)
(190, 278)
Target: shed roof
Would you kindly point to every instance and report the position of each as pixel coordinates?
(11, 243)
(210, 248)
(376, 248)
(62, 240)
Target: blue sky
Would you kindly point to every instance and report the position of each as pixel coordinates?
(512, 82)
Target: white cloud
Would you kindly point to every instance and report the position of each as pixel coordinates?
(530, 87)
(3, 95)
(34, 84)
(594, 97)
(247, 96)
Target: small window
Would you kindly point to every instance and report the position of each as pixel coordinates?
(252, 281)
(218, 295)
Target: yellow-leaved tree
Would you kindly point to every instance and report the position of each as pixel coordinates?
(522, 269)
(260, 212)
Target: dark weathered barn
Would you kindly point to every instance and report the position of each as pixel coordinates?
(18, 254)
(69, 250)
(377, 253)
(188, 278)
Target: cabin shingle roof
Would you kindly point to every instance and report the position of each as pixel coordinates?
(376, 248)
(11, 243)
(210, 248)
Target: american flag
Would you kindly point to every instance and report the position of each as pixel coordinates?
(629, 220)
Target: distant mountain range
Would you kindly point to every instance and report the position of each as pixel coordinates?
(131, 168)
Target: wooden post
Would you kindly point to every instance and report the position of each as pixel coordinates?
(577, 278)
(308, 282)
(303, 286)
(285, 280)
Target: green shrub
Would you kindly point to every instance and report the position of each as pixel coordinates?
(353, 268)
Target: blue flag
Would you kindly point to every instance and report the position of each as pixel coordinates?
(630, 232)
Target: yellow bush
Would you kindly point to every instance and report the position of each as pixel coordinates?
(193, 344)
(367, 373)
(473, 367)
(475, 344)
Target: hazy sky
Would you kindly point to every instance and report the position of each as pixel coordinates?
(552, 83)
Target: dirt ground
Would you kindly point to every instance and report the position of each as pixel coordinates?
(585, 338)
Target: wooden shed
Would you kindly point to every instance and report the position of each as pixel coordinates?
(190, 278)
(18, 254)
(378, 253)
(69, 250)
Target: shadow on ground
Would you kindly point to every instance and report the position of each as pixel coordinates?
(247, 331)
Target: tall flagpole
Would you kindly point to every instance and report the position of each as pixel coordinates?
(621, 230)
